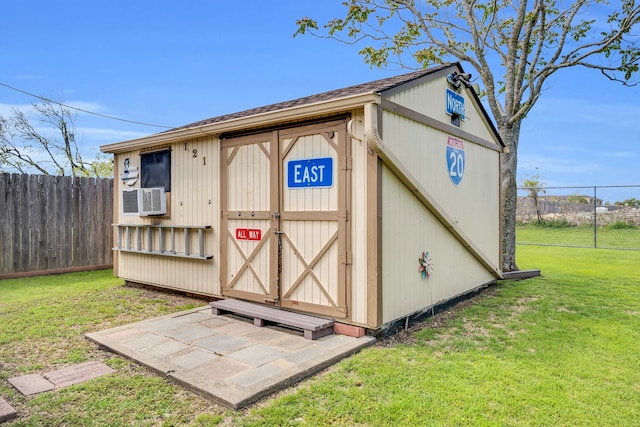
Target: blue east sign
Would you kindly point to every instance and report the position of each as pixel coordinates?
(307, 173)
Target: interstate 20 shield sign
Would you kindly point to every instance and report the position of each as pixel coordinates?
(455, 160)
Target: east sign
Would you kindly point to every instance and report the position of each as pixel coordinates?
(309, 173)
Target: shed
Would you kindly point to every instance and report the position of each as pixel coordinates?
(365, 205)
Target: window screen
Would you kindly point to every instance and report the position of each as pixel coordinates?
(156, 169)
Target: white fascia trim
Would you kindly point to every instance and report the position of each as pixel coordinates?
(214, 129)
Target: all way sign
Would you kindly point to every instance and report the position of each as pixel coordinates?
(248, 234)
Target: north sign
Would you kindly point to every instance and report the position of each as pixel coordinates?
(455, 104)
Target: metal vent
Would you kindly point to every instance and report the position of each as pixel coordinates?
(130, 202)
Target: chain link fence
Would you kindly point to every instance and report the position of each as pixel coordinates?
(605, 216)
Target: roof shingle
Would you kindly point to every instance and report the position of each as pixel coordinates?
(376, 86)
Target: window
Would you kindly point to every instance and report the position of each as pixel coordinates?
(156, 169)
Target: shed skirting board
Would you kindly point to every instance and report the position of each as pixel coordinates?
(395, 326)
(170, 289)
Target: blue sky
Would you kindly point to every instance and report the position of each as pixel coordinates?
(173, 63)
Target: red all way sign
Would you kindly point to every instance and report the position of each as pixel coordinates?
(248, 234)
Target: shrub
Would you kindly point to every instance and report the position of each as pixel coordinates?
(558, 222)
(620, 225)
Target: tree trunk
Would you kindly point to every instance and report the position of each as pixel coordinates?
(509, 188)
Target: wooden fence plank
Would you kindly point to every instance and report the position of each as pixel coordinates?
(37, 232)
(53, 223)
(105, 216)
(6, 222)
(51, 197)
(23, 223)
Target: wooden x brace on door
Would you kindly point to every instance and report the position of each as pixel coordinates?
(247, 262)
(308, 268)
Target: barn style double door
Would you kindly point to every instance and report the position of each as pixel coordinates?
(284, 229)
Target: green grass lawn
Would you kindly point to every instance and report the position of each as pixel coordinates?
(561, 349)
(42, 325)
(579, 236)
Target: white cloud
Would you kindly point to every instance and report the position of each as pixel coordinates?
(86, 106)
(6, 110)
(560, 165)
(88, 138)
(577, 112)
(98, 136)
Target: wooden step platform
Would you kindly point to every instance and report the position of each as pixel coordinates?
(520, 274)
(313, 327)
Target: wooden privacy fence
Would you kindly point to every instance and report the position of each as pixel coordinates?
(54, 224)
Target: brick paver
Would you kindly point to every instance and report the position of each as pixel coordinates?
(31, 384)
(7, 412)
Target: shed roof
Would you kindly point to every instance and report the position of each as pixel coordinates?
(377, 86)
(289, 110)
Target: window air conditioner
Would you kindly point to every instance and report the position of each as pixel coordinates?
(144, 201)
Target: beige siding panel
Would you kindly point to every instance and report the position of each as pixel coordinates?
(434, 105)
(408, 230)
(256, 278)
(359, 154)
(309, 199)
(310, 224)
(249, 190)
(194, 201)
(474, 203)
(249, 260)
(313, 236)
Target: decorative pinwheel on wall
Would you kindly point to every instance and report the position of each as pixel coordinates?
(426, 265)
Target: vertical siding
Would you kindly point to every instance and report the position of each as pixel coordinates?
(358, 223)
(259, 264)
(194, 201)
(430, 100)
(408, 230)
(309, 238)
(310, 199)
(475, 202)
(305, 239)
(249, 176)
